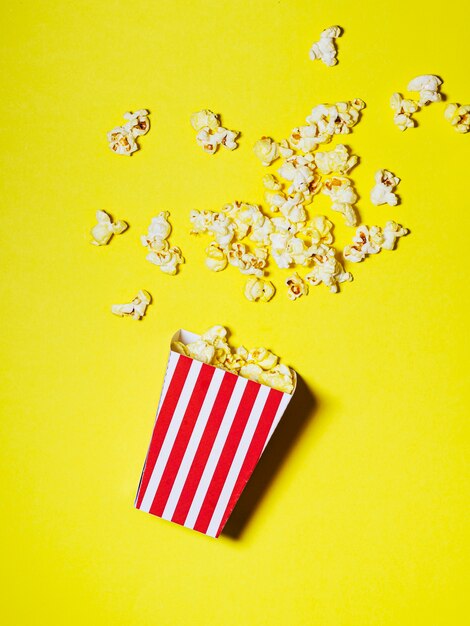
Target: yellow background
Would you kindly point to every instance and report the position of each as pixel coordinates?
(363, 522)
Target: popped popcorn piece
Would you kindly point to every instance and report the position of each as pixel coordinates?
(158, 231)
(365, 241)
(216, 257)
(428, 87)
(160, 253)
(122, 139)
(391, 232)
(280, 377)
(201, 350)
(293, 210)
(210, 134)
(404, 109)
(178, 346)
(135, 309)
(226, 138)
(166, 260)
(207, 141)
(296, 287)
(333, 119)
(285, 149)
(261, 230)
(262, 357)
(259, 290)
(271, 182)
(354, 252)
(106, 228)
(371, 239)
(336, 160)
(343, 196)
(459, 116)
(266, 150)
(328, 270)
(325, 49)
(138, 123)
(251, 371)
(279, 252)
(382, 192)
(319, 230)
(304, 138)
(214, 333)
(300, 170)
(204, 119)
(247, 262)
(221, 226)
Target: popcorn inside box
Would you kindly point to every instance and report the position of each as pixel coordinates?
(213, 423)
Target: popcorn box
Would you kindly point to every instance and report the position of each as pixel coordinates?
(210, 431)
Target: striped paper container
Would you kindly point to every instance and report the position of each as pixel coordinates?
(210, 431)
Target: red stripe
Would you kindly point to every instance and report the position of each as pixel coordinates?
(182, 439)
(254, 451)
(226, 457)
(204, 449)
(163, 421)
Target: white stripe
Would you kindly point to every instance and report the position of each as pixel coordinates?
(216, 451)
(171, 434)
(170, 370)
(193, 444)
(286, 398)
(238, 459)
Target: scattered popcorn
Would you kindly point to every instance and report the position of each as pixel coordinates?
(105, 228)
(259, 290)
(122, 139)
(459, 116)
(325, 49)
(336, 160)
(258, 364)
(210, 134)
(288, 235)
(160, 253)
(135, 309)
(296, 287)
(403, 109)
(343, 196)
(382, 192)
(328, 270)
(428, 87)
(266, 150)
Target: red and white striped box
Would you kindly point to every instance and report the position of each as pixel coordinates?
(210, 431)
